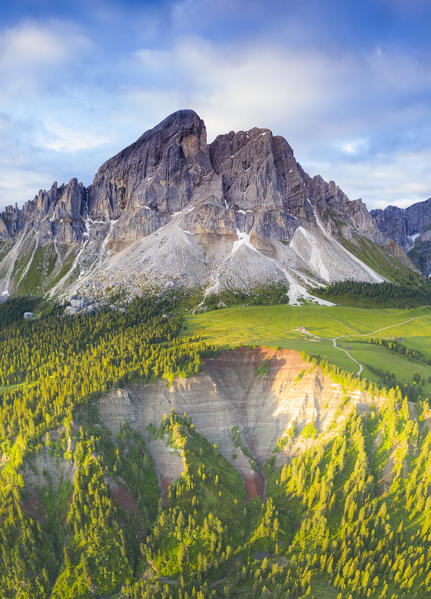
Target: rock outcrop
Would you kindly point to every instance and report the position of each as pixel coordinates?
(410, 228)
(54, 214)
(171, 209)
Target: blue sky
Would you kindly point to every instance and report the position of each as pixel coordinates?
(347, 83)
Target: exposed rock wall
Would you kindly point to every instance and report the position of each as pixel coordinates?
(45, 467)
(230, 393)
(54, 214)
(410, 228)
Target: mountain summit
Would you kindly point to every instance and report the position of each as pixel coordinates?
(171, 209)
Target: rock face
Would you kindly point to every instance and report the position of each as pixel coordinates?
(171, 209)
(411, 229)
(231, 393)
(54, 214)
(153, 178)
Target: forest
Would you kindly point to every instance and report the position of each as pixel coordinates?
(385, 295)
(349, 517)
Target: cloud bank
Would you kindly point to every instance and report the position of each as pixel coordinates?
(77, 88)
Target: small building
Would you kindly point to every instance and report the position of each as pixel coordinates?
(302, 330)
(28, 315)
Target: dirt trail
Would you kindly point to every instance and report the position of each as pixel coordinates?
(334, 339)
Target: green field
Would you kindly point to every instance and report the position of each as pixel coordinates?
(275, 326)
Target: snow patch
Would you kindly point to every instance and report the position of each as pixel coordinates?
(75, 262)
(297, 292)
(185, 210)
(243, 239)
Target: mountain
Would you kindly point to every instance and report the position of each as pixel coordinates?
(171, 209)
(411, 229)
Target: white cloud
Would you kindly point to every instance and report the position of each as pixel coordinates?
(400, 178)
(63, 139)
(239, 87)
(342, 114)
(18, 184)
(32, 42)
(352, 116)
(354, 146)
(304, 94)
(32, 54)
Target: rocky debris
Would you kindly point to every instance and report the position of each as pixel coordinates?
(410, 229)
(84, 305)
(172, 210)
(78, 303)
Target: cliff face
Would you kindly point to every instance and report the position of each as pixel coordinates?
(54, 214)
(153, 178)
(244, 400)
(411, 229)
(171, 209)
(252, 178)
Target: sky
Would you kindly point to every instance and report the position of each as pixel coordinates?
(347, 83)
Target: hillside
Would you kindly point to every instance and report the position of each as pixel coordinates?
(140, 459)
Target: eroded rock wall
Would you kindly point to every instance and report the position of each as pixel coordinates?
(260, 391)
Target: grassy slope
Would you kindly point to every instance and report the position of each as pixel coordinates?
(379, 259)
(275, 326)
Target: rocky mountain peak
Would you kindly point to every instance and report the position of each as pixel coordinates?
(157, 171)
(173, 209)
(410, 228)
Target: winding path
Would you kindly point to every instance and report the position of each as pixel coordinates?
(334, 339)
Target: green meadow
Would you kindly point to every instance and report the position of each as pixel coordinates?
(275, 326)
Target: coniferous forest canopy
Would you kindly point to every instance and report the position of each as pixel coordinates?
(349, 517)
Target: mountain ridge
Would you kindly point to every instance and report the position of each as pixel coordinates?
(410, 229)
(171, 209)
